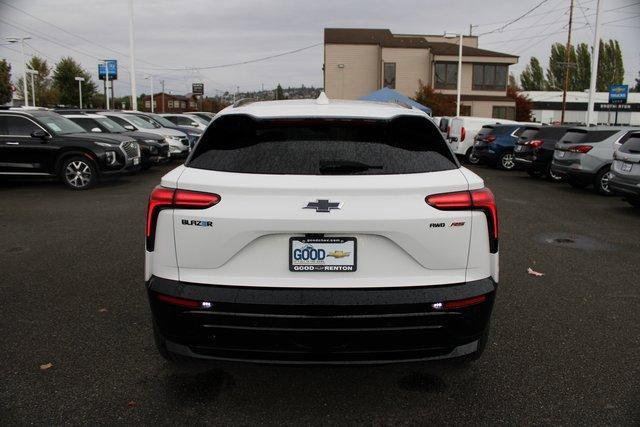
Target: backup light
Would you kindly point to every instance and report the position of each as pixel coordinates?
(437, 305)
(206, 304)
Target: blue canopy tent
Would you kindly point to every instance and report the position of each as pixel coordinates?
(389, 95)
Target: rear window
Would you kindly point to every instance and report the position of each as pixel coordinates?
(502, 130)
(314, 146)
(632, 146)
(551, 132)
(484, 131)
(576, 136)
(529, 133)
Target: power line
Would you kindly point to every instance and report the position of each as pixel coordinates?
(584, 15)
(516, 19)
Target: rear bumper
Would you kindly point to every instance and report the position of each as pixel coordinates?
(486, 153)
(573, 170)
(321, 326)
(624, 187)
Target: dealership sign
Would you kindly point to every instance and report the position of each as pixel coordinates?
(197, 88)
(618, 94)
(112, 69)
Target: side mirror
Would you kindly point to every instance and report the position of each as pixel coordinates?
(96, 130)
(40, 134)
(129, 127)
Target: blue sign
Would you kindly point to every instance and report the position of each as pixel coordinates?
(112, 67)
(618, 94)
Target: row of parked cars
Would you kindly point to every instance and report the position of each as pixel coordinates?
(604, 157)
(80, 147)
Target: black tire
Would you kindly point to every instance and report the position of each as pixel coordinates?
(506, 162)
(167, 355)
(78, 172)
(552, 176)
(601, 182)
(576, 183)
(534, 173)
(470, 158)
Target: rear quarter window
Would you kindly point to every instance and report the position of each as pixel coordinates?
(319, 146)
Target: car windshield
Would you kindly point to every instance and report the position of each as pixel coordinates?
(60, 125)
(198, 119)
(110, 125)
(141, 123)
(160, 120)
(322, 146)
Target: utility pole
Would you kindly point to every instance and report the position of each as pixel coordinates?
(567, 68)
(33, 86)
(594, 65)
(162, 83)
(25, 92)
(132, 60)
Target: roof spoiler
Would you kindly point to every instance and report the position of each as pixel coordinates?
(243, 101)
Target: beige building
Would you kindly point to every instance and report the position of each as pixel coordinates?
(360, 61)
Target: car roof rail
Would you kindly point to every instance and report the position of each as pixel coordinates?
(243, 101)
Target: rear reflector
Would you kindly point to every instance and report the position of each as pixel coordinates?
(182, 302)
(170, 198)
(482, 199)
(467, 302)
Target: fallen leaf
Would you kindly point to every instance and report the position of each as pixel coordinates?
(103, 310)
(132, 404)
(534, 273)
(46, 366)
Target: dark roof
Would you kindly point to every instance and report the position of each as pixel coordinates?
(385, 38)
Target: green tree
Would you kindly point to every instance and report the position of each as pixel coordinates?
(610, 65)
(5, 82)
(64, 81)
(558, 63)
(532, 78)
(279, 92)
(46, 95)
(513, 83)
(582, 74)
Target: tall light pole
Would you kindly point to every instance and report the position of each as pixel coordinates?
(594, 65)
(132, 60)
(150, 78)
(33, 86)
(459, 84)
(80, 80)
(106, 76)
(24, 64)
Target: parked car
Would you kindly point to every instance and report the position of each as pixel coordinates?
(625, 178)
(204, 115)
(443, 125)
(462, 132)
(178, 141)
(46, 144)
(153, 148)
(192, 133)
(186, 120)
(494, 145)
(332, 233)
(534, 150)
(585, 154)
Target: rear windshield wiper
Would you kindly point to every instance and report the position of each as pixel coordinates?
(339, 167)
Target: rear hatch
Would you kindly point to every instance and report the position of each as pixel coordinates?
(577, 143)
(354, 189)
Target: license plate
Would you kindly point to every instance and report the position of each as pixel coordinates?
(136, 161)
(322, 254)
(626, 167)
(560, 154)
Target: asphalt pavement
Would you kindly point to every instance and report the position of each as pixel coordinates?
(564, 347)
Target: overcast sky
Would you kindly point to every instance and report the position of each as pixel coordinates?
(200, 33)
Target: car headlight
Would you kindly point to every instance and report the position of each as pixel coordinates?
(150, 140)
(194, 134)
(104, 144)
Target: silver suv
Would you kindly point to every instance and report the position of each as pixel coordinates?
(584, 155)
(625, 171)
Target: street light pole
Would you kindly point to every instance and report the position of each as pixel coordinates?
(106, 76)
(33, 86)
(24, 64)
(80, 80)
(132, 60)
(594, 65)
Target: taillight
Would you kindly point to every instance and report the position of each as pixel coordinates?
(482, 199)
(463, 133)
(490, 139)
(535, 143)
(580, 149)
(169, 198)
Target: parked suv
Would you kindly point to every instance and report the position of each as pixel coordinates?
(534, 150)
(585, 155)
(153, 148)
(494, 145)
(43, 143)
(625, 179)
(156, 119)
(186, 120)
(321, 232)
(462, 133)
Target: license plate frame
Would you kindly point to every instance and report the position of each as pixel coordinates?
(338, 245)
(626, 167)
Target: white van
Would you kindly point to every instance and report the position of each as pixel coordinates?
(463, 131)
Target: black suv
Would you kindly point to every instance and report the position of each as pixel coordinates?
(153, 148)
(43, 143)
(534, 150)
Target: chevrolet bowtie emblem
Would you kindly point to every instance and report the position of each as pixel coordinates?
(323, 205)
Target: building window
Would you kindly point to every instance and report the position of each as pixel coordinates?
(489, 77)
(465, 110)
(446, 76)
(389, 75)
(170, 104)
(508, 113)
(192, 104)
(147, 104)
(183, 104)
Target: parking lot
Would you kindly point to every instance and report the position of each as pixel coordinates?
(563, 348)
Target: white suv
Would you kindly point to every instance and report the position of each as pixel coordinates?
(321, 232)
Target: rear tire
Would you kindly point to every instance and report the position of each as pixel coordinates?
(506, 162)
(78, 173)
(167, 355)
(470, 157)
(601, 182)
